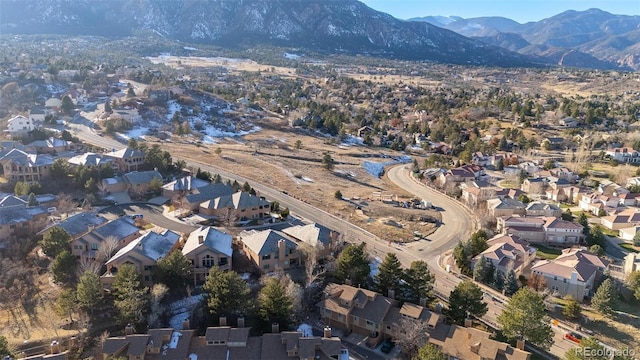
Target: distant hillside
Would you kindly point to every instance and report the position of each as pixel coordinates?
(330, 26)
(591, 38)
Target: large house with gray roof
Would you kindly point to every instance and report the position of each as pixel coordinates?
(191, 202)
(127, 160)
(270, 250)
(183, 186)
(17, 220)
(90, 160)
(574, 272)
(242, 205)
(81, 223)
(507, 252)
(122, 229)
(19, 165)
(143, 253)
(138, 182)
(320, 237)
(207, 247)
(49, 146)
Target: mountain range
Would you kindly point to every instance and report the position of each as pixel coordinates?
(593, 38)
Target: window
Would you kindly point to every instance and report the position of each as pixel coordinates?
(370, 323)
(208, 261)
(266, 257)
(223, 261)
(555, 278)
(94, 247)
(266, 266)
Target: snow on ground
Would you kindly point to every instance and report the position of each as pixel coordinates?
(181, 310)
(172, 107)
(352, 140)
(189, 48)
(137, 133)
(193, 357)
(307, 179)
(374, 266)
(377, 168)
(306, 330)
(291, 56)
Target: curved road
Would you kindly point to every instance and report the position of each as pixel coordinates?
(457, 224)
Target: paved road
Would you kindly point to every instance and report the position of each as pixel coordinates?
(457, 221)
(152, 214)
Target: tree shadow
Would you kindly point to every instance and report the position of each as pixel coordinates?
(602, 327)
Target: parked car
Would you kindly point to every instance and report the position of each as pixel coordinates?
(575, 337)
(387, 345)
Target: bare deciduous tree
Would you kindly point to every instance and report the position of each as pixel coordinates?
(310, 258)
(229, 216)
(88, 264)
(158, 292)
(106, 249)
(66, 205)
(412, 335)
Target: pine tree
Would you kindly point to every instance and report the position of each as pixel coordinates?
(353, 264)
(389, 275)
(498, 280)
(227, 293)
(131, 298)
(605, 298)
(274, 304)
(479, 269)
(571, 308)
(418, 283)
(64, 267)
(174, 271)
(524, 318)
(464, 301)
(510, 283)
(54, 241)
(89, 291)
(32, 200)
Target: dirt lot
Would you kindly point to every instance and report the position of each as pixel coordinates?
(269, 156)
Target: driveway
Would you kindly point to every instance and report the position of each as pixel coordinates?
(151, 213)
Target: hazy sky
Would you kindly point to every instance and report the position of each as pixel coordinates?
(519, 10)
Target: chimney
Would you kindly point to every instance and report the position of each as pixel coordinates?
(327, 332)
(223, 320)
(391, 293)
(468, 323)
(468, 336)
(128, 330)
(186, 324)
(275, 328)
(348, 282)
(520, 345)
(423, 302)
(55, 347)
(475, 348)
(241, 321)
(200, 239)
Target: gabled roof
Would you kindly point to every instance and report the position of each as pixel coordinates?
(538, 206)
(11, 200)
(141, 177)
(126, 153)
(209, 192)
(49, 143)
(79, 223)
(22, 158)
(504, 204)
(574, 260)
(121, 228)
(185, 184)
(213, 239)
(554, 223)
(266, 241)
(153, 245)
(239, 200)
(90, 159)
(311, 234)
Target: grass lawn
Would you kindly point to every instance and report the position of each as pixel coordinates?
(547, 253)
(3, 180)
(506, 184)
(613, 233)
(630, 247)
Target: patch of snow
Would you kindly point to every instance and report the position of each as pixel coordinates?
(291, 56)
(172, 106)
(307, 179)
(245, 276)
(193, 357)
(374, 266)
(352, 140)
(181, 310)
(306, 330)
(377, 168)
(190, 48)
(175, 337)
(137, 132)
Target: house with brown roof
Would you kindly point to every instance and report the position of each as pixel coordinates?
(242, 205)
(573, 273)
(225, 343)
(127, 160)
(475, 192)
(368, 313)
(457, 342)
(270, 250)
(143, 253)
(507, 252)
(560, 232)
(624, 155)
(626, 218)
(540, 229)
(595, 202)
(207, 247)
